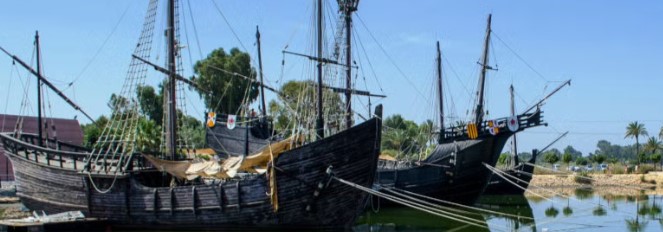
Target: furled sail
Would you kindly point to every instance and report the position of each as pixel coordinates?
(223, 169)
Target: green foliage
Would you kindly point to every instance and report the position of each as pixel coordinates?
(653, 145)
(567, 211)
(406, 137)
(203, 157)
(151, 103)
(193, 131)
(92, 131)
(148, 137)
(504, 157)
(581, 161)
(644, 169)
(598, 158)
(566, 158)
(300, 102)
(229, 91)
(656, 158)
(551, 157)
(635, 130)
(572, 151)
(642, 158)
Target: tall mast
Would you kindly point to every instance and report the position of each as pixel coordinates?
(319, 125)
(39, 119)
(514, 145)
(439, 91)
(349, 6)
(171, 133)
(478, 116)
(262, 86)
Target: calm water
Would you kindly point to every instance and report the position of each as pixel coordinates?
(585, 210)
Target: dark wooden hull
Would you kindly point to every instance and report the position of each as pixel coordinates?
(523, 173)
(459, 178)
(352, 155)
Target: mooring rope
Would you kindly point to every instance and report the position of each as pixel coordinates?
(417, 206)
(504, 176)
(460, 205)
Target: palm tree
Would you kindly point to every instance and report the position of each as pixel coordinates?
(652, 145)
(660, 133)
(636, 129)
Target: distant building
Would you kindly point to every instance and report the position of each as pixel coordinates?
(66, 130)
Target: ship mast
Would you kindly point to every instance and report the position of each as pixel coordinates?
(478, 116)
(319, 125)
(439, 91)
(171, 131)
(514, 145)
(262, 86)
(348, 7)
(39, 119)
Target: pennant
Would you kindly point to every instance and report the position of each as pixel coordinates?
(231, 121)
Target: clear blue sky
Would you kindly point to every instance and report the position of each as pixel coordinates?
(611, 50)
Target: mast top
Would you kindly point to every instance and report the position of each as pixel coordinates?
(478, 116)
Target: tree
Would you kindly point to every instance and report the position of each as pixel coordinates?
(581, 161)
(551, 157)
(599, 159)
(572, 151)
(566, 158)
(635, 130)
(299, 104)
(228, 91)
(653, 144)
(656, 158)
(151, 103)
(92, 131)
(660, 133)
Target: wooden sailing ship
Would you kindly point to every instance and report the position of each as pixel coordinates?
(454, 170)
(116, 183)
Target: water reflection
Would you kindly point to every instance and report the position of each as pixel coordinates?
(570, 210)
(505, 213)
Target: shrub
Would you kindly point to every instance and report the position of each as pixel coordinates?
(644, 169)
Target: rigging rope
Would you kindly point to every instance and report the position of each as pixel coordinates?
(415, 205)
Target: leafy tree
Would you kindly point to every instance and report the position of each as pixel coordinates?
(581, 161)
(566, 158)
(229, 91)
(299, 102)
(572, 151)
(151, 103)
(599, 158)
(660, 133)
(656, 158)
(635, 130)
(551, 157)
(281, 116)
(92, 131)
